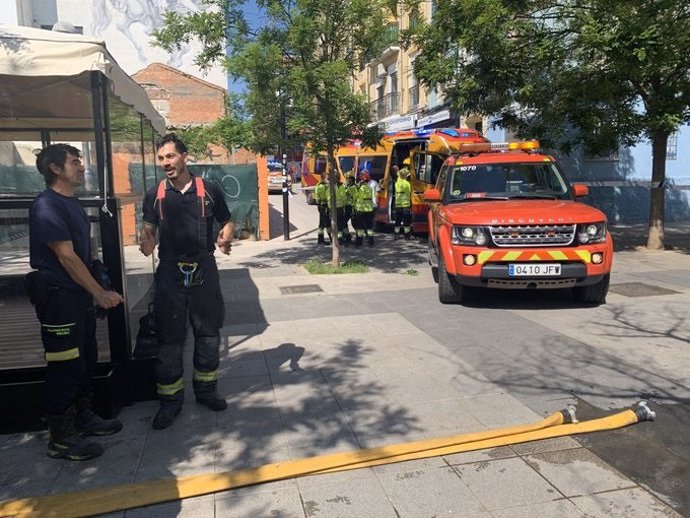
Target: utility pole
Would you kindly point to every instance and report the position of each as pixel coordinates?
(283, 155)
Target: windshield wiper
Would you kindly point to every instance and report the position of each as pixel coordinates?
(478, 198)
(528, 196)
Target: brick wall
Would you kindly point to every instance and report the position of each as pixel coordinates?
(183, 100)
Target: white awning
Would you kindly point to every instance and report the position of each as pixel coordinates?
(45, 81)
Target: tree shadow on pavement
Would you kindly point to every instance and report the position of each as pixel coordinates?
(388, 255)
(633, 237)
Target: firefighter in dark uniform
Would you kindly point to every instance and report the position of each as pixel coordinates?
(182, 209)
(64, 290)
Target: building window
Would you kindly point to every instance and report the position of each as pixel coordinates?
(433, 7)
(414, 96)
(432, 98)
(672, 147)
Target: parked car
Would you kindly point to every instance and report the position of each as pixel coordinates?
(504, 216)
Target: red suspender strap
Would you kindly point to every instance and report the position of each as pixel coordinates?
(160, 196)
(201, 194)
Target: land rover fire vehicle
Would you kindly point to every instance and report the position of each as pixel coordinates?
(504, 216)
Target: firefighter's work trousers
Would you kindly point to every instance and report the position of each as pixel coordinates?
(324, 218)
(68, 333)
(202, 303)
(347, 217)
(403, 218)
(364, 223)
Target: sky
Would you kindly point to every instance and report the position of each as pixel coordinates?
(8, 14)
(255, 17)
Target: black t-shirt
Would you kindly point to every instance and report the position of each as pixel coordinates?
(54, 217)
(178, 233)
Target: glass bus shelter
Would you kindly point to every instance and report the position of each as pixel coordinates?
(57, 87)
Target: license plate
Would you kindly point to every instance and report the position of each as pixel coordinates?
(534, 270)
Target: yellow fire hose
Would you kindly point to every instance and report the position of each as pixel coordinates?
(128, 496)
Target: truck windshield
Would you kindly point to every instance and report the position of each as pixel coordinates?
(506, 181)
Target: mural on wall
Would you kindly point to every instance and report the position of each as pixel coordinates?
(127, 26)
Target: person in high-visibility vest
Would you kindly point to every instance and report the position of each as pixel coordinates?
(403, 202)
(364, 211)
(321, 195)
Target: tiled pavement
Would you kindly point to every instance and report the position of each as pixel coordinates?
(369, 360)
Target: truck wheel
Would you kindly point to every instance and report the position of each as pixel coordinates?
(594, 293)
(449, 291)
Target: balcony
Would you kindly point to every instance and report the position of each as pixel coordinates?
(385, 106)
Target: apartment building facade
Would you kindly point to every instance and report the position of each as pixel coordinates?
(398, 101)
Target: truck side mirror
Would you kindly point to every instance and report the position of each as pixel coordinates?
(432, 195)
(580, 190)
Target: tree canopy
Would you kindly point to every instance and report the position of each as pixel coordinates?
(298, 66)
(590, 73)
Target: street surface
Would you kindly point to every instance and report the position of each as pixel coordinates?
(542, 346)
(320, 364)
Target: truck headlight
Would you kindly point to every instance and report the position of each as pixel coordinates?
(473, 236)
(591, 233)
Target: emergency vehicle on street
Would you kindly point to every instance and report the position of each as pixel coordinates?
(426, 148)
(504, 216)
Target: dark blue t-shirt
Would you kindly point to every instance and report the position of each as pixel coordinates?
(54, 217)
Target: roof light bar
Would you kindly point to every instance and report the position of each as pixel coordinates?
(500, 146)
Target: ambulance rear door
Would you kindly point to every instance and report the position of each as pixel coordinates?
(425, 167)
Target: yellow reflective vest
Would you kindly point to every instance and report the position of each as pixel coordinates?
(403, 193)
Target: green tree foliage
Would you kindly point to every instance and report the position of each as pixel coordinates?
(592, 73)
(297, 67)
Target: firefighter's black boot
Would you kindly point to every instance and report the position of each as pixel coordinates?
(321, 240)
(359, 240)
(88, 423)
(167, 413)
(66, 443)
(205, 393)
(214, 403)
(370, 241)
(408, 236)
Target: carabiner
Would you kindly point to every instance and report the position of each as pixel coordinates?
(187, 270)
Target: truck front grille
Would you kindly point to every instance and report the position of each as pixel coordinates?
(532, 235)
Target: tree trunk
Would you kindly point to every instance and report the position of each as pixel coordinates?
(655, 237)
(332, 183)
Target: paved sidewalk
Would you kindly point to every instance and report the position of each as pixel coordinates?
(321, 364)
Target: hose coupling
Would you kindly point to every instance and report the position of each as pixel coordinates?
(643, 412)
(569, 414)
